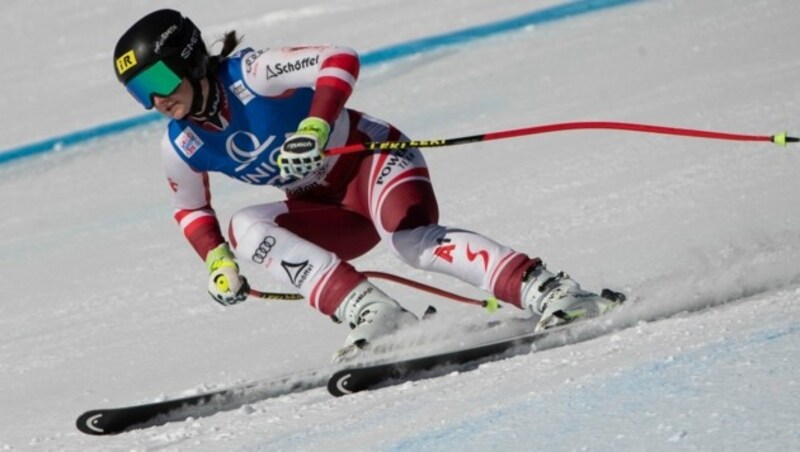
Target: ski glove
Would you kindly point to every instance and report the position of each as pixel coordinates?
(225, 285)
(302, 152)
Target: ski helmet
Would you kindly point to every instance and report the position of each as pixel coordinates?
(157, 52)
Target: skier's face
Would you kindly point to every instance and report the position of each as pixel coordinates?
(178, 104)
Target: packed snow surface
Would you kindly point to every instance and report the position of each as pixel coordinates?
(105, 305)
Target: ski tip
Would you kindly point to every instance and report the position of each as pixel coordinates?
(338, 386)
(91, 423)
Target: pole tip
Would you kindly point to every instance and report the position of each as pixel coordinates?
(491, 304)
(782, 138)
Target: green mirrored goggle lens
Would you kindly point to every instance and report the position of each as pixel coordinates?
(157, 80)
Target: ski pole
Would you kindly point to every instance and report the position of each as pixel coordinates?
(274, 296)
(780, 139)
(491, 304)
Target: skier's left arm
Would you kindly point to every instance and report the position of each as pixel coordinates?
(332, 72)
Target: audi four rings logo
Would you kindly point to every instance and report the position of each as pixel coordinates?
(263, 249)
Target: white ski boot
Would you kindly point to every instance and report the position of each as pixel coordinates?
(559, 300)
(371, 314)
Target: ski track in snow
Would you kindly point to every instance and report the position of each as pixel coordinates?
(703, 235)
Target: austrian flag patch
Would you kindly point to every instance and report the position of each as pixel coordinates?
(188, 142)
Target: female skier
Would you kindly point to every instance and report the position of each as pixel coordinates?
(265, 117)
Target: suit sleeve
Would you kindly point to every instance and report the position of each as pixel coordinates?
(332, 71)
(192, 201)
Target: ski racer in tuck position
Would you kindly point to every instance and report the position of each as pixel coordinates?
(265, 117)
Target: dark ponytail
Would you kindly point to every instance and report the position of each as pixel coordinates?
(229, 43)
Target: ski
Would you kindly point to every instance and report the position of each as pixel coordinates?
(342, 381)
(109, 421)
(371, 375)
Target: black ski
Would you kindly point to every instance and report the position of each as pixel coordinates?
(367, 376)
(343, 381)
(107, 421)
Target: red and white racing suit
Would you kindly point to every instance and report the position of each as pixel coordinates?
(346, 207)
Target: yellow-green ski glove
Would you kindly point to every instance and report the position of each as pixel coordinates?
(225, 285)
(303, 151)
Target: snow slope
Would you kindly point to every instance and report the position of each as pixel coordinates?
(106, 306)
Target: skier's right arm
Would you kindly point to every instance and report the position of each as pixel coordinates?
(199, 224)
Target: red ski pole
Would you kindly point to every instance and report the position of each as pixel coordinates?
(491, 304)
(780, 139)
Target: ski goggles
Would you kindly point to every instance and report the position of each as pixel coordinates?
(157, 80)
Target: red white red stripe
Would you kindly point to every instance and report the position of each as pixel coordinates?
(339, 71)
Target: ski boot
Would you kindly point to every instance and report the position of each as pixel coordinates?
(371, 314)
(559, 300)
